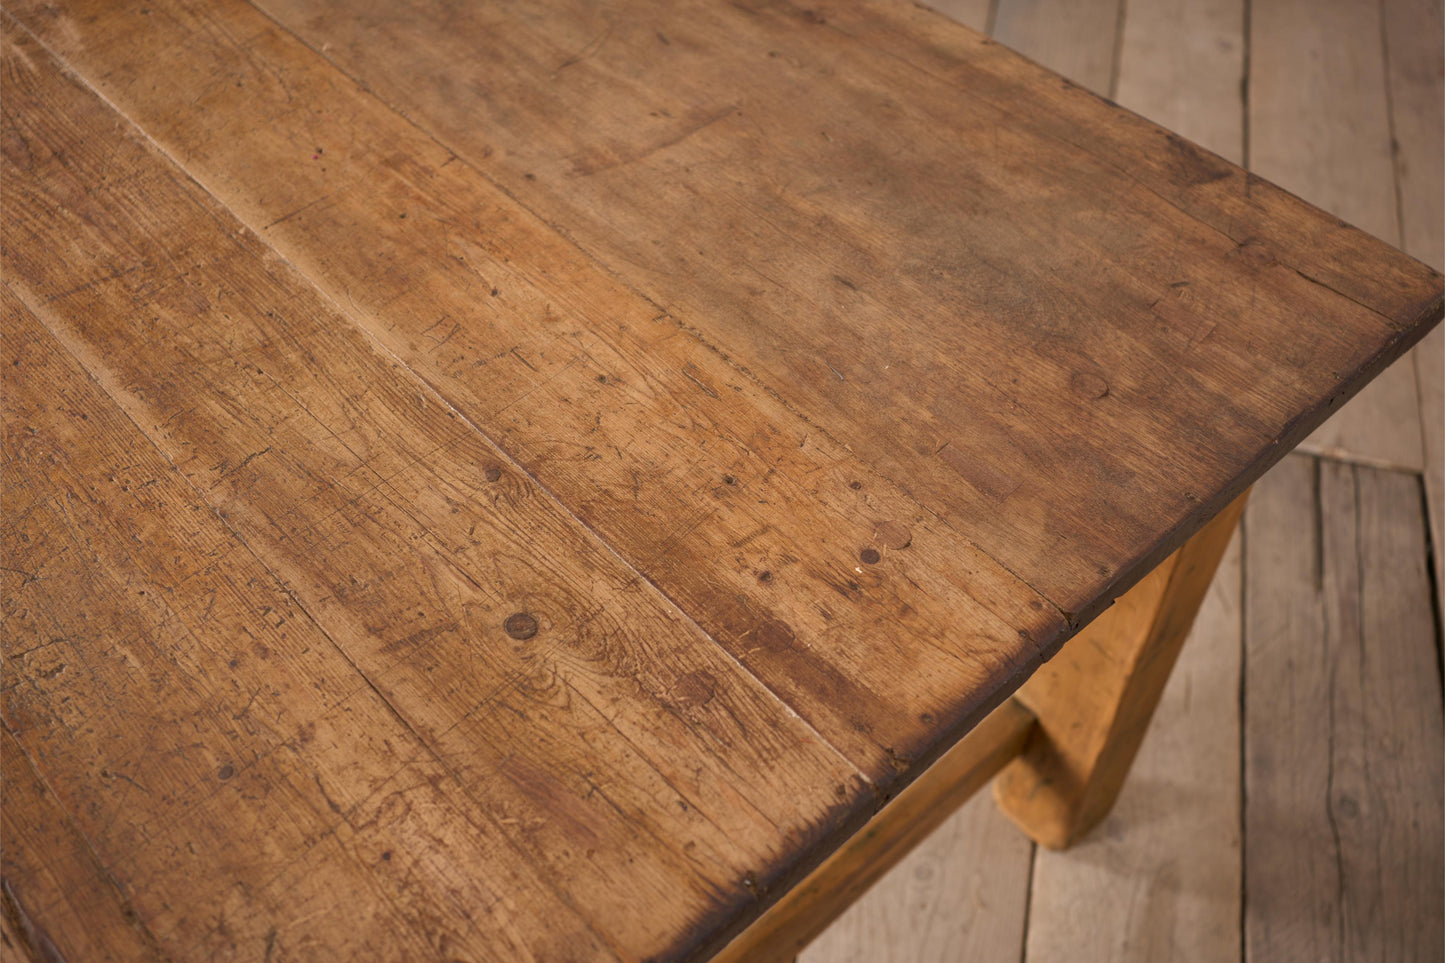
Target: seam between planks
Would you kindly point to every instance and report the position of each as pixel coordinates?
(1390, 127)
(604, 267)
(1248, 53)
(1116, 61)
(1433, 576)
(425, 745)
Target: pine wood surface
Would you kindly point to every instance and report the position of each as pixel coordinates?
(354, 303)
(1160, 879)
(743, 512)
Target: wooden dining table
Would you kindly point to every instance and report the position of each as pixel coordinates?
(544, 480)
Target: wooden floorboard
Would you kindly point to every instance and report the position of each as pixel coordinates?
(1342, 708)
(1076, 39)
(970, 13)
(1162, 878)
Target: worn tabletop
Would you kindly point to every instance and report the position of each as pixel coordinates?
(529, 480)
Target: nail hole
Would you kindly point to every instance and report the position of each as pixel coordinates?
(520, 625)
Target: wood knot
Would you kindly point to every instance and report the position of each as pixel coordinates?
(892, 535)
(1090, 386)
(694, 689)
(521, 625)
(775, 635)
(870, 556)
(492, 473)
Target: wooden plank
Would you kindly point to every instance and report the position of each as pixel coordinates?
(1077, 40)
(1415, 62)
(800, 916)
(766, 124)
(962, 892)
(257, 204)
(1345, 853)
(1414, 34)
(1095, 698)
(232, 773)
(47, 861)
(752, 519)
(1160, 878)
(1181, 64)
(577, 714)
(1319, 125)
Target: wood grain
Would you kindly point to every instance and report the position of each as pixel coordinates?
(1181, 64)
(473, 347)
(224, 762)
(602, 737)
(1414, 46)
(1343, 718)
(746, 515)
(860, 281)
(1429, 357)
(69, 909)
